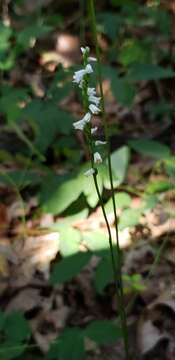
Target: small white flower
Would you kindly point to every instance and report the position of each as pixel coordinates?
(94, 99)
(91, 58)
(78, 76)
(94, 129)
(94, 109)
(91, 91)
(85, 49)
(79, 125)
(87, 117)
(89, 172)
(97, 158)
(88, 69)
(99, 142)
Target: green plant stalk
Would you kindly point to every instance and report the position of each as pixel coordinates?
(119, 260)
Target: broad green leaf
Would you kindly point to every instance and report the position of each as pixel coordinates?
(48, 120)
(149, 202)
(109, 24)
(69, 241)
(122, 200)
(129, 218)
(57, 195)
(31, 32)
(123, 91)
(6, 33)
(16, 327)
(103, 332)
(104, 274)
(133, 51)
(96, 241)
(19, 178)
(140, 72)
(13, 97)
(69, 267)
(159, 186)
(151, 148)
(71, 345)
(12, 350)
(119, 163)
(169, 166)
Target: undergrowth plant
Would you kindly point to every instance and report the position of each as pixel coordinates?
(94, 105)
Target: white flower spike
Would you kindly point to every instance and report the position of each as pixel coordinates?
(78, 76)
(99, 142)
(91, 91)
(84, 50)
(97, 158)
(94, 99)
(94, 109)
(88, 69)
(89, 172)
(91, 58)
(79, 125)
(94, 129)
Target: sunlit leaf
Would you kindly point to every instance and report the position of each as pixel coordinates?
(69, 241)
(129, 217)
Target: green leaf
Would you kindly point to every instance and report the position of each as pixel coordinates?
(6, 33)
(69, 241)
(122, 200)
(119, 164)
(57, 195)
(11, 350)
(169, 166)
(133, 51)
(48, 121)
(96, 240)
(71, 345)
(129, 218)
(31, 32)
(109, 24)
(159, 186)
(104, 274)
(151, 148)
(16, 327)
(147, 72)
(69, 267)
(20, 179)
(123, 91)
(103, 332)
(149, 202)
(13, 97)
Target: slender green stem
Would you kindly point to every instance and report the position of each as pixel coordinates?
(119, 262)
(108, 227)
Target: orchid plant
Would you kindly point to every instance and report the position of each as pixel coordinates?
(94, 105)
